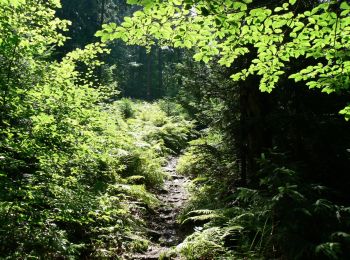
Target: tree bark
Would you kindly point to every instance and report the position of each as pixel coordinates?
(160, 71)
(149, 75)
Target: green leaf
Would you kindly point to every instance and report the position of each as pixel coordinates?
(278, 9)
(177, 2)
(198, 56)
(240, 6)
(344, 6)
(15, 3)
(206, 59)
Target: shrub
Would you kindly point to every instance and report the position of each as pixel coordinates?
(283, 217)
(75, 177)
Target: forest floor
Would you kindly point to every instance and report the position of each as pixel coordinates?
(163, 228)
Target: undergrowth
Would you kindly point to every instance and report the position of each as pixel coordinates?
(281, 217)
(91, 202)
(75, 172)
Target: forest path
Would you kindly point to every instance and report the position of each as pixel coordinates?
(163, 229)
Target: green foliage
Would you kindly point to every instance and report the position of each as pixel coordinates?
(76, 172)
(125, 107)
(282, 217)
(167, 133)
(284, 211)
(172, 108)
(202, 153)
(270, 37)
(203, 245)
(75, 178)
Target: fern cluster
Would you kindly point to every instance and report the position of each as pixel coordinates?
(75, 172)
(282, 216)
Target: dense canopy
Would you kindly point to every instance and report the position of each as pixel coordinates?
(179, 129)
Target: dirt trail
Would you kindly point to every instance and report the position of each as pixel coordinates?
(162, 228)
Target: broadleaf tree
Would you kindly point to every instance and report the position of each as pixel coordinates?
(273, 34)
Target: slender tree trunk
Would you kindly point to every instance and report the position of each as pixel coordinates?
(251, 126)
(103, 10)
(102, 15)
(254, 107)
(242, 143)
(160, 71)
(149, 75)
(140, 84)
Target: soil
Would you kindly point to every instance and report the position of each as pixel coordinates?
(163, 229)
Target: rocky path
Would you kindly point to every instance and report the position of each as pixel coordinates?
(163, 230)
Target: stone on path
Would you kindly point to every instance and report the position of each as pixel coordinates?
(163, 229)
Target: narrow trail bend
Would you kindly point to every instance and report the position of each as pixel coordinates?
(163, 229)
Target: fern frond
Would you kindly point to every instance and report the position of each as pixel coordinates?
(205, 244)
(207, 217)
(203, 215)
(137, 192)
(201, 212)
(244, 215)
(136, 178)
(232, 229)
(330, 250)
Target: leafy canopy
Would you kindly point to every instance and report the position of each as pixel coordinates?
(227, 31)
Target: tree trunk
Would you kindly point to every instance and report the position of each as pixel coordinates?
(160, 71)
(253, 138)
(149, 75)
(102, 15)
(103, 10)
(242, 143)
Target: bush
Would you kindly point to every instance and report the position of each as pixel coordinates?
(75, 173)
(283, 217)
